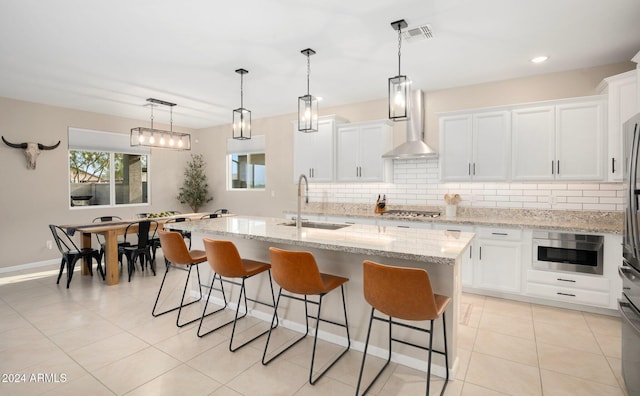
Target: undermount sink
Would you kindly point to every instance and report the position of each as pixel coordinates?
(311, 224)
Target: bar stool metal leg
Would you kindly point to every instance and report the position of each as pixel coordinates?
(312, 381)
(184, 291)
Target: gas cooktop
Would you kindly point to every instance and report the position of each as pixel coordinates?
(412, 213)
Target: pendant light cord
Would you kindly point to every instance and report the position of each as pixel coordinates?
(241, 91)
(399, 46)
(308, 71)
(152, 116)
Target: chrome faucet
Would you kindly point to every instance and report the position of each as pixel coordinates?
(306, 198)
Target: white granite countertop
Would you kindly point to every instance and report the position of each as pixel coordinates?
(434, 246)
(563, 220)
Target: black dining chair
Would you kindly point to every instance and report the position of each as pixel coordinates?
(210, 216)
(100, 238)
(71, 254)
(185, 234)
(142, 249)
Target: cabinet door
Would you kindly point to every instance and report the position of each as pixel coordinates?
(314, 153)
(533, 143)
(348, 151)
(455, 147)
(622, 105)
(498, 266)
(580, 141)
(491, 146)
(323, 149)
(303, 147)
(374, 141)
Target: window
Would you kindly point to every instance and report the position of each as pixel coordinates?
(105, 171)
(247, 170)
(246, 164)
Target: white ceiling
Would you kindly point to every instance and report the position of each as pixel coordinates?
(110, 56)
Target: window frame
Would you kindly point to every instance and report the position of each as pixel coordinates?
(111, 143)
(254, 146)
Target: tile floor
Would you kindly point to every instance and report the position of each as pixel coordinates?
(98, 340)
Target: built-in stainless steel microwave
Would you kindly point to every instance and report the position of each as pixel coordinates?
(559, 251)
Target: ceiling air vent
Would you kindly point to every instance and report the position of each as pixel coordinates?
(417, 33)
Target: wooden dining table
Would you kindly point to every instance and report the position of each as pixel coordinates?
(110, 230)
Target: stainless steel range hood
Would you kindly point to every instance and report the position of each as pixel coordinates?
(414, 147)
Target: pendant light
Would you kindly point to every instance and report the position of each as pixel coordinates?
(308, 104)
(241, 116)
(398, 85)
(151, 137)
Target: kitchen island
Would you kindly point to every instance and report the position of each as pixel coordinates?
(341, 252)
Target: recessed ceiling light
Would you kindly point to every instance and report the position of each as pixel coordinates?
(539, 59)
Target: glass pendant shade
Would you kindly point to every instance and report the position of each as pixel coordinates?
(159, 138)
(308, 113)
(308, 104)
(241, 127)
(398, 97)
(241, 124)
(399, 85)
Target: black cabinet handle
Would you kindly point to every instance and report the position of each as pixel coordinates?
(566, 280)
(499, 233)
(480, 256)
(553, 168)
(613, 165)
(566, 294)
(558, 167)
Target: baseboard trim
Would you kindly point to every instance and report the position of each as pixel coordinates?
(27, 266)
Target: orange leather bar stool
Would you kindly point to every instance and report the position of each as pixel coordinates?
(225, 261)
(179, 257)
(403, 293)
(297, 273)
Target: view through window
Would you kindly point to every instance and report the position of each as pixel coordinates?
(107, 178)
(247, 171)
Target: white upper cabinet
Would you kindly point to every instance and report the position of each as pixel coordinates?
(564, 141)
(580, 141)
(533, 144)
(359, 151)
(313, 153)
(475, 146)
(622, 103)
(456, 147)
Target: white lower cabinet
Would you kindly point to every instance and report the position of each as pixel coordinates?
(466, 270)
(498, 260)
(567, 287)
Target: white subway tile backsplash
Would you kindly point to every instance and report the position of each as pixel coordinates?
(599, 193)
(523, 198)
(416, 182)
(552, 186)
(599, 207)
(584, 200)
(568, 206)
(567, 193)
(583, 186)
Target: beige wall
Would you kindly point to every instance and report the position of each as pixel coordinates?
(30, 200)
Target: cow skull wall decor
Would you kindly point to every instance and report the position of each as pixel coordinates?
(31, 150)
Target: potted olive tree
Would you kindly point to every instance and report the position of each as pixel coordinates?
(194, 188)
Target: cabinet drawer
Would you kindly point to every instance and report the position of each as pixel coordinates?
(571, 281)
(565, 294)
(507, 234)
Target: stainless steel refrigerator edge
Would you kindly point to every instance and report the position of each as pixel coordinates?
(629, 303)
